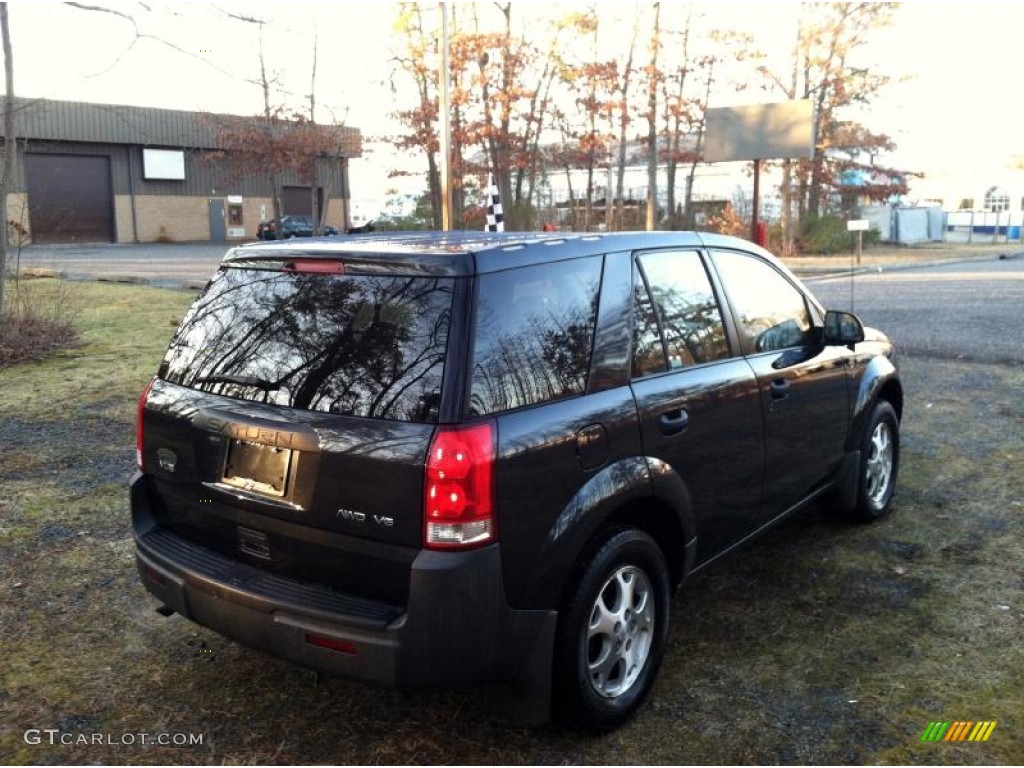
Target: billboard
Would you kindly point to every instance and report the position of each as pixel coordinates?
(760, 131)
(163, 164)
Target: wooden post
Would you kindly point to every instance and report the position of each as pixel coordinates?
(757, 200)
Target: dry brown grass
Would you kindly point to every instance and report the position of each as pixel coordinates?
(821, 643)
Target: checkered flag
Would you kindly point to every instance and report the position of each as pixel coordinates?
(495, 215)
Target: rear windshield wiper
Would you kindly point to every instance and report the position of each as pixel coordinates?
(248, 381)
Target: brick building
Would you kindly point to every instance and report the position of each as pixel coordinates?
(123, 174)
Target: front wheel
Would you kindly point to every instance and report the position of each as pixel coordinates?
(612, 631)
(879, 463)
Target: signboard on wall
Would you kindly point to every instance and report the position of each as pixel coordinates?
(164, 164)
(760, 131)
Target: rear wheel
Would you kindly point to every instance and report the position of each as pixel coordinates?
(612, 631)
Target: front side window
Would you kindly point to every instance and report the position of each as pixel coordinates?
(771, 313)
(534, 334)
(370, 346)
(674, 304)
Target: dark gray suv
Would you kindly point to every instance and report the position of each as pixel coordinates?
(451, 458)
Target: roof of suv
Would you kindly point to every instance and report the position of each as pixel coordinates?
(462, 253)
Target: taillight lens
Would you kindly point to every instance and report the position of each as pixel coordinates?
(320, 266)
(458, 504)
(138, 424)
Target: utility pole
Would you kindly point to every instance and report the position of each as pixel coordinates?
(445, 134)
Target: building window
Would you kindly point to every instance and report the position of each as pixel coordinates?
(967, 204)
(997, 200)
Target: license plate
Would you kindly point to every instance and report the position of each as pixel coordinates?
(256, 467)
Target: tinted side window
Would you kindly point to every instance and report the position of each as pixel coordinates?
(677, 300)
(534, 333)
(771, 313)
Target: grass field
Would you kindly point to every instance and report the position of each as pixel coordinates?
(822, 643)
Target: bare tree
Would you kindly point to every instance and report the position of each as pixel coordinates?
(652, 123)
(624, 122)
(10, 149)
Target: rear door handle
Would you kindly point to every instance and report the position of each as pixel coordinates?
(780, 388)
(674, 422)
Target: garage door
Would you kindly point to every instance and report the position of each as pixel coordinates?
(70, 198)
(298, 201)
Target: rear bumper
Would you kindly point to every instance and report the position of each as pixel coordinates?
(456, 629)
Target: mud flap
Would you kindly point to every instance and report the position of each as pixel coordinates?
(848, 482)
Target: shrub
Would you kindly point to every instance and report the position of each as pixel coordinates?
(727, 222)
(828, 234)
(38, 319)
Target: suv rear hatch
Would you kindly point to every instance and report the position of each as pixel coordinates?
(290, 419)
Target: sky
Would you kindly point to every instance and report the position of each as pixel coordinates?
(955, 115)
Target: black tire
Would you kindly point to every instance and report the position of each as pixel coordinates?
(604, 669)
(879, 463)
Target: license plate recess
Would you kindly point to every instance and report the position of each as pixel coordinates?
(257, 467)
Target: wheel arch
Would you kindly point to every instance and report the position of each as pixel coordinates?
(880, 381)
(656, 518)
(892, 392)
(639, 492)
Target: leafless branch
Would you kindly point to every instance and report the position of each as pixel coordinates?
(140, 35)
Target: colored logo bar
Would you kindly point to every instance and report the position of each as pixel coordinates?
(959, 730)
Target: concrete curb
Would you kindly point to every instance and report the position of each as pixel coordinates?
(168, 283)
(837, 271)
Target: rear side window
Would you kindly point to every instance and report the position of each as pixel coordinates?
(371, 346)
(677, 322)
(534, 333)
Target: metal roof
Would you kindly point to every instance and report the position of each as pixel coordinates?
(44, 119)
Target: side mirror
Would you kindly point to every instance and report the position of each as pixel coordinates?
(842, 329)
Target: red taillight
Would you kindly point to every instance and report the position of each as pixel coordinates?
(138, 424)
(458, 504)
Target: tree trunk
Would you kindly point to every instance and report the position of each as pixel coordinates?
(275, 200)
(697, 150)
(624, 128)
(434, 185)
(10, 147)
(786, 189)
(652, 128)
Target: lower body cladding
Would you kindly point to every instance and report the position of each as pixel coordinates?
(456, 630)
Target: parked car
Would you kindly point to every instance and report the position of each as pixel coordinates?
(289, 227)
(447, 458)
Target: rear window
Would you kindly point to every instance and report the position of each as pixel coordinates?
(371, 346)
(534, 333)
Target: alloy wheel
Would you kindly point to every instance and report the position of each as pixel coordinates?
(620, 631)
